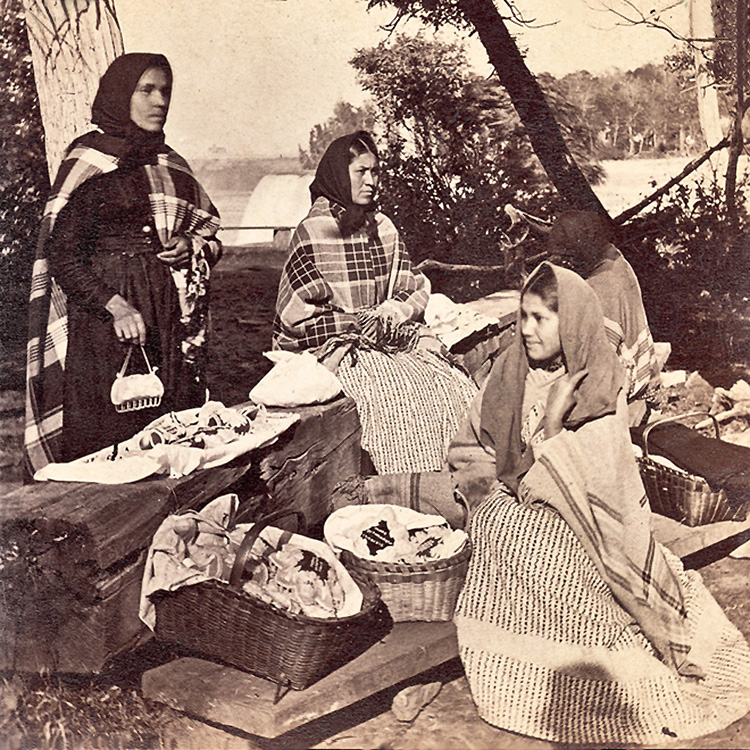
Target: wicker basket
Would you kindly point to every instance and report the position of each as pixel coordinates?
(223, 622)
(426, 591)
(686, 498)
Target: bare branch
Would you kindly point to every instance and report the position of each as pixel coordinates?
(428, 264)
(644, 20)
(690, 167)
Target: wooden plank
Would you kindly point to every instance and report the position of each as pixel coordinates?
(688, 540)
(85, 539)
(233, 698)
(307, 482)
(118, 519)
(85, 636)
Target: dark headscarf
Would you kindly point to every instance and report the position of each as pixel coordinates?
(585, 347)
(111, 108)
(332, 181)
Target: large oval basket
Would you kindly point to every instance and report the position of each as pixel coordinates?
(223, 622)
(426, 591)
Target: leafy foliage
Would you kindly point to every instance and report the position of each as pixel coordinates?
(346, 118)
(454, 151)
(647, 111)
(23, 170)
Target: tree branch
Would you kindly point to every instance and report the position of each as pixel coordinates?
(690, 167)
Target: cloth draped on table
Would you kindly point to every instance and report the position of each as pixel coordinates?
(574, 625)
(410, 401)
(179, 206)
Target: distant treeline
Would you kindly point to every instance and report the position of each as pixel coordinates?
(648, 111)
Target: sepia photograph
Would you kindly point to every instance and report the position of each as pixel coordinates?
(374, 374)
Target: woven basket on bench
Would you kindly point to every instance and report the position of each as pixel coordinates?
(686, 498)
(416, 591)
(220, 620)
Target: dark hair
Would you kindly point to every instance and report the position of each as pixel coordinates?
(580, 233)
(543, 283)
(362, 144)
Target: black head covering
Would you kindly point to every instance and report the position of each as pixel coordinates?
(580, 233)
(111, 108)
(332, 180)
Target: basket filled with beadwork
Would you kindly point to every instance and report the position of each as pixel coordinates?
(417, 560)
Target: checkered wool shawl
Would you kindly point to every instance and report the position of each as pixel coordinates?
(625, 321)
(179, 205)
(329, 277)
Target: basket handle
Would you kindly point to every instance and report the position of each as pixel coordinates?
(243, 553)
(127, 360)
(675, 418)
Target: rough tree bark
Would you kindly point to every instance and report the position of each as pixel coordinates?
(72, 44)
(528, 99)
(737, 145)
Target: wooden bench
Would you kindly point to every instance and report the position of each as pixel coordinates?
(236, 700)
(73, 554)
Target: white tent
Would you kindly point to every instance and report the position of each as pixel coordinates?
(278, 203)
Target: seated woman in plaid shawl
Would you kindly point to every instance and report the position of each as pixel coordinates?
(574, 625)
(348, 293)
(123, 259)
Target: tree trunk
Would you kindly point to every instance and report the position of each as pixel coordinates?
(528, 99)
(72, 44)
(702, 27)
(738, 141)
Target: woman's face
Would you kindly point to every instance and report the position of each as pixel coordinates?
(150, 101)
(364, 173)
(540, 328)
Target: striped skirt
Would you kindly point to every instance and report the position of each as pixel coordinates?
(410, 406)
(549, 653)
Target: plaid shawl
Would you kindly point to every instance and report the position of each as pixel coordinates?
(329, 277)
(179, 205)
(625, 321)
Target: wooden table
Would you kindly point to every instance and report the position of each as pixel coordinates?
(73, 554)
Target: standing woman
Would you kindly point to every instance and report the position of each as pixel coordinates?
(349, 294)
(123, 261)
(574, 625)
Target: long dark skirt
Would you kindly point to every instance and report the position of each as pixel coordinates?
(95, 355)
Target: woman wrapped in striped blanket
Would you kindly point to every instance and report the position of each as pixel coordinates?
(574, 625)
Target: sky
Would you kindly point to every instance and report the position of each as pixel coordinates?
(252, 77)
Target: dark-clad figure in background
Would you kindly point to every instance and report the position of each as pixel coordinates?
(582, 239)
(123, 260)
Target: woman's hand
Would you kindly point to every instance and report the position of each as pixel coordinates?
(561, 399)
(129, 325)
(176, 252)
